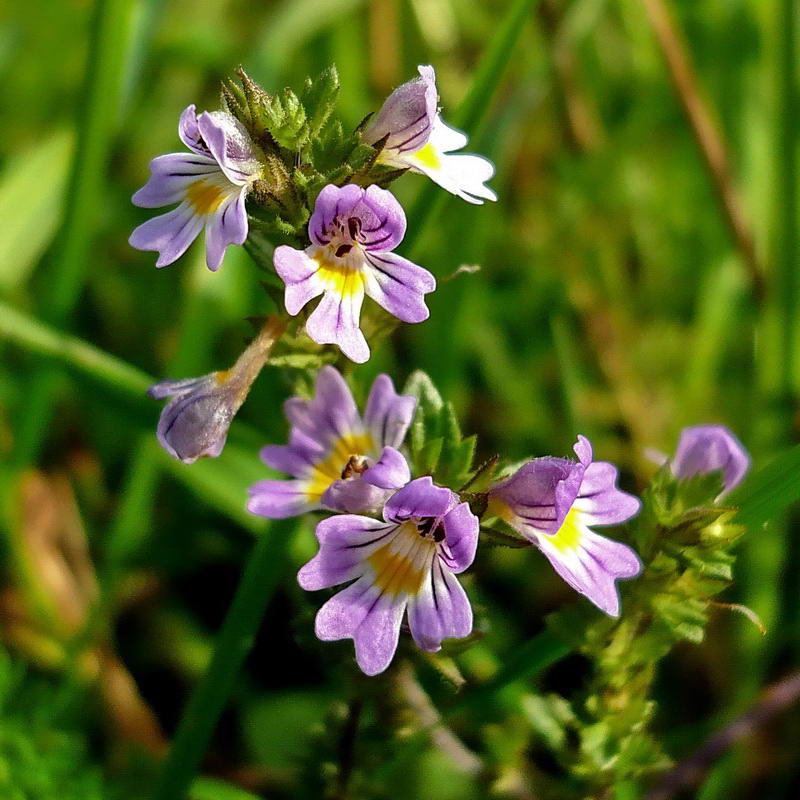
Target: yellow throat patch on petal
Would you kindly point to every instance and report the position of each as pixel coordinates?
(427, 157)
(569, 535)
(337, 276)
(204, 196)
(326, 472)
(400, 566)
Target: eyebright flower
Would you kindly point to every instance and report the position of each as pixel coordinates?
(210, 184)
(352, 232)
(195, 422)
(339, 460)
(553, 502)
(420, 140)
(407, 560)
(709, 448)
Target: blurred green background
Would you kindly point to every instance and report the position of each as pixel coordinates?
(638, 274)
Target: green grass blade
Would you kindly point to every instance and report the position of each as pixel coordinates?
(262, 572)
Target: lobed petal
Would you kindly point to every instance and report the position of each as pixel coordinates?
(346, 541)
(169, 234)
(383, 221)
(335, 320)
(355, 496)
(279, 499)
(332, 201)
(407, 115)
(230, 144)
(170, 177)
(190, 133)
(420, 498)
(390, 471)
(388, 415)
(461, 528)
(398, 285)
(299, 272)
(440, 610)
(600, 498)
(227, 226)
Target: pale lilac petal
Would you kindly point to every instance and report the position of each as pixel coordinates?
(279, 499)
(407, 114)
(230, 145)
(335, 321)
(297, 458)
(594, 567)
(388, 414)
(600, 498)
(346, 542)
(461, 538)
(440, 610)
(169, 234)
(190, 133)
(332, 408)
(708, 448)
(355, 496)
(420, 498)
(170, 176)
(377, 636)
(299, 272)
(398, 285)
(228, 225)
(341, 615)
(390, 471)
(383, 221)
(332, 201)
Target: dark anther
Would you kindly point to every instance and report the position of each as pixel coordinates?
(343, 250)
(355, 466)
(354, 227)
(430, 528)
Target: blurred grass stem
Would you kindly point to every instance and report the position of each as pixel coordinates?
(709, 140)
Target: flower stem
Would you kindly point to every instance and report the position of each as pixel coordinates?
(262, 571)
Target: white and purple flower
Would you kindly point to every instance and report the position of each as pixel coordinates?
(408, 560)
(209, 184)
(417, 138)
(554, 502)
(352, 232)
(710, 448)
(339, 460)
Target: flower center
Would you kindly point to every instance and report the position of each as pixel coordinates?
(204, 197)
(431, 528)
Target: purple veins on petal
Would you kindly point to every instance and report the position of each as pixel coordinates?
(210, 184)
(337, 459)
(420, 140)
(353, 231)
(555, 502)
(401, 563)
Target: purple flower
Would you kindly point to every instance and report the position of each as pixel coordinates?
(352, 232)
(195, 422)
(710, 448)
(210, 184)
(407, 560)
(554, 502)
(339, 460)
(420, 140)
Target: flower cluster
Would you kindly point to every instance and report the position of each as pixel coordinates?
(398, 540)
(400, 530)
